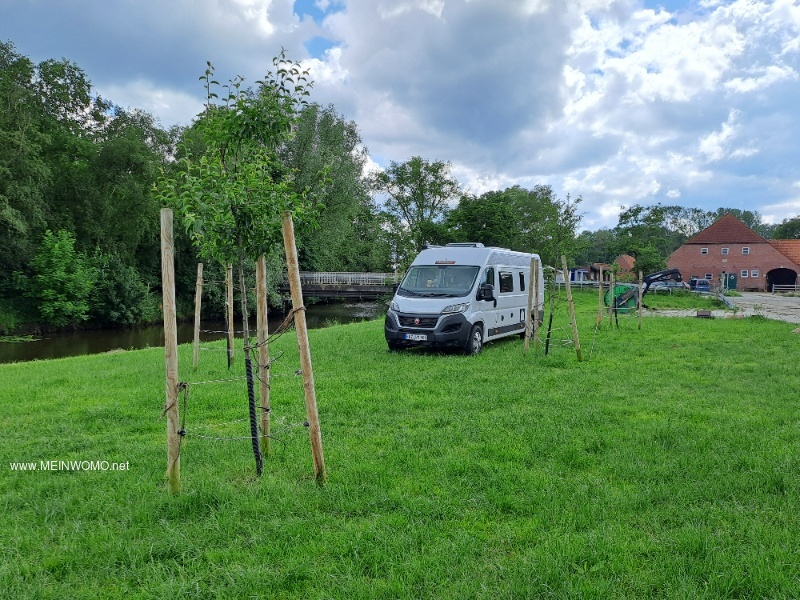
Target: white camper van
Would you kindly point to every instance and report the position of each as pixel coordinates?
(462, 295)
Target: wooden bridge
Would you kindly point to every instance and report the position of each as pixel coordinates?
(364, 286)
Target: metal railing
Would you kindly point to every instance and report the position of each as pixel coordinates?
(319, 278)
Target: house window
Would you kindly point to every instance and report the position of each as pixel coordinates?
(506, 282)
(704, 251)
(746, 250)
(522, 281)
(754, 273)
(725, 251)
(709, 276)
(744, 273)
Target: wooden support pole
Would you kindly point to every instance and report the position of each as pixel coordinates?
(170, 352)
(612, 301)
(263, 351)
(302, 343)
(198, 295)
(640, 300)
(571, 305)
(536, 291)
(600, 298)
(529, 320)
(229, 311)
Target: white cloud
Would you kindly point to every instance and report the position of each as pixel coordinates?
(772, 74)
(603, 99)
(172, 107)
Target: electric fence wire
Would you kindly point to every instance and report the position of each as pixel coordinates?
(184, 387)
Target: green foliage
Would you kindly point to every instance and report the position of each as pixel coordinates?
(119, 296)
(417, 194)
(788, 229)
(231, 197)
(61, 281)
(596, 247)
(349, 236)
(648, 260)
(71, 161)
(525, 220)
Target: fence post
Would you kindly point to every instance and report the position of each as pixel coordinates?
(198, 294)
(612, 301)
(600, 298)
(640, 300)
(170, 352)
(571, 305)
(302, 342)
(536, 291)
(263, 351)
(531, 293)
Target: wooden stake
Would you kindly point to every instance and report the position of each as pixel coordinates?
(302, 343)
(600, 299)
(529, 315)
(612, 301)
(536, 322)
(263, 351)
(571, 305)
(170, 352)
(229, 313)
(640, 300)
(198, 295)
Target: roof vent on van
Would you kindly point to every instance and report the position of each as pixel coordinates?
(465, 245)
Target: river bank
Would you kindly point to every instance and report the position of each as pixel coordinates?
(60, 344)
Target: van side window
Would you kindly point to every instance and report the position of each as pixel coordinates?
(506, 282)
(489, 276)
(521, 281)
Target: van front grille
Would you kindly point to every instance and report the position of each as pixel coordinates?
(419, 322)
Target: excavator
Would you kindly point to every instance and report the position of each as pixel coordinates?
(626, 294)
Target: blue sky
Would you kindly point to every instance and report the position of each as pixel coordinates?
(619, 102)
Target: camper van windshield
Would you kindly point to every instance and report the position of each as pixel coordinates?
(446, 281)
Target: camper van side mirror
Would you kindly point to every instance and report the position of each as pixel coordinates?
(486, 292)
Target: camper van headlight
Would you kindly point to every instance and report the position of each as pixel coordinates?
(394, 306)
(456, 308)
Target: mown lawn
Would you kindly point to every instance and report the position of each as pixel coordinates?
(664, 465)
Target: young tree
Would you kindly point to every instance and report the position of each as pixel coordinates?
(231, 197)
(62, 280)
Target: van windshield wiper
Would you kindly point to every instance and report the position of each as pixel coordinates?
(408, 291)
(437, 295)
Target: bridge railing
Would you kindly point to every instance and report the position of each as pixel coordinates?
(320, 278)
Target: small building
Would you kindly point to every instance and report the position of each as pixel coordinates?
(626, 267)
(728, 250)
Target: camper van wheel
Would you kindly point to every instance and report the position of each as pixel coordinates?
(475, 342)
(393, 346)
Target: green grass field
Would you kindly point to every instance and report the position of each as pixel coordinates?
(665, 465)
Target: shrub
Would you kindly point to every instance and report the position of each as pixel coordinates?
(61, 280)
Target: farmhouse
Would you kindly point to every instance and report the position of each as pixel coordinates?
(729, 250)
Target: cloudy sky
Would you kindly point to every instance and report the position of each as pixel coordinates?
(620, 102)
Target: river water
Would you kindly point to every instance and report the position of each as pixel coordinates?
(75, 343)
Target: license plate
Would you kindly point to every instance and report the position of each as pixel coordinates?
(416, 337)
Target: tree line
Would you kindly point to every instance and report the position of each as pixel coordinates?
(82, 181)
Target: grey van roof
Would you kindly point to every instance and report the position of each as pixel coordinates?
(479, 253)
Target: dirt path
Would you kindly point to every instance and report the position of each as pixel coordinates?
(770, 306)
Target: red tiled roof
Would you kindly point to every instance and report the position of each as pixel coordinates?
(789, 248)
(727, 230)
(625, 262)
